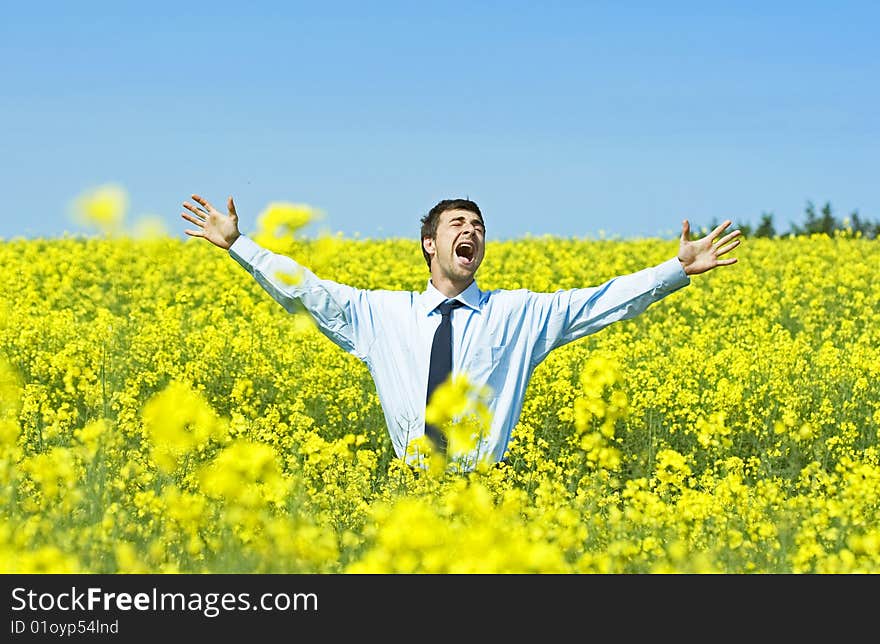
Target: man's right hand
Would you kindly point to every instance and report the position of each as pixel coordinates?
(219, 229)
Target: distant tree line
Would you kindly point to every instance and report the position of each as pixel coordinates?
(814, 222)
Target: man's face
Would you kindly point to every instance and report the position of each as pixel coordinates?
(458, 247)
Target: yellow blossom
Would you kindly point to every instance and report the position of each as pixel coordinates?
(176, 421)
(103, 207)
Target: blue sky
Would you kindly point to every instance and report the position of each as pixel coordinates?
(557, 118)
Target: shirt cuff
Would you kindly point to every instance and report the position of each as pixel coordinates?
(671, 275)
(244, 249)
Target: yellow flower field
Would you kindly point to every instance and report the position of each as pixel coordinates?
(161, 413)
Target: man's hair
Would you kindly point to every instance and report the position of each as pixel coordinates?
(429, 221)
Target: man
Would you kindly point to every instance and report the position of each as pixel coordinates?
(497, 337)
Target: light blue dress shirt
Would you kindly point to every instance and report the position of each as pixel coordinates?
(498, 337)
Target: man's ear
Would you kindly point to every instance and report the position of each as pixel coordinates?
(428, 245)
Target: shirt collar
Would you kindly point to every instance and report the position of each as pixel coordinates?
(432, 298)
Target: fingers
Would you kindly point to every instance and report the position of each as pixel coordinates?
(728, 237)
(685, 230)
(201, 201)
(720, 250)
(205, 210)
(720, 228)
(195, 220)
(198, 212)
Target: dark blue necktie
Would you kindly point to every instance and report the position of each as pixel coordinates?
(441, 365)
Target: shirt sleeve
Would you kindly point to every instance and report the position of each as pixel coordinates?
(565, 316)
(333, 306)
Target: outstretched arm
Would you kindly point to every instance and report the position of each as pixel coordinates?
(341, 312)
(219, 229)
(702, 255)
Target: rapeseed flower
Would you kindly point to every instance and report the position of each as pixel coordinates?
(178, 420)
(280, 221)
(245, 473)
(104, 207)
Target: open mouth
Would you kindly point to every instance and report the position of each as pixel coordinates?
(465, 251)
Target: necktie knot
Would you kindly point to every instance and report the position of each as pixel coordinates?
(447, 306)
